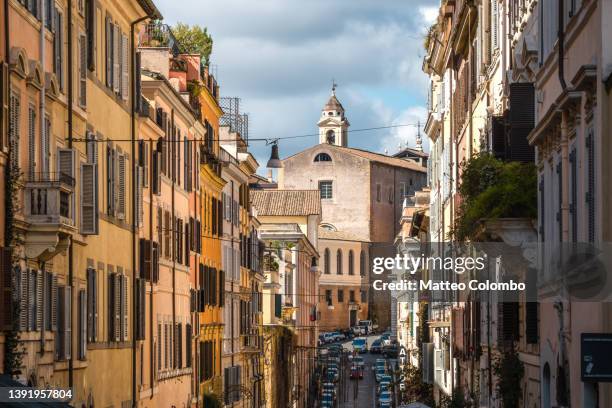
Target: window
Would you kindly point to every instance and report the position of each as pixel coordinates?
(340, 295)
(15, 105)
(339, 262)
(31, 141)
(362, 266)
(330, 137)
(378, 192)
(328, 297)
(58, 44)
(364, 296)
(351, 263)
(390, 195)
(325, 188)
(326, 268)
(352, 296)
(82, 71)
(322, 157)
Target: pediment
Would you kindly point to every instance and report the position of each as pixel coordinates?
(35, 77)
(52, 88)
(331, 121)
(18, 61)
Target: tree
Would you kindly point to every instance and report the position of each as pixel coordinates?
(194, 40)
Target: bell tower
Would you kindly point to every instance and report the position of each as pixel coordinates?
(333, 125)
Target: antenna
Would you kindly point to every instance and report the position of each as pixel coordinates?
(419, 141)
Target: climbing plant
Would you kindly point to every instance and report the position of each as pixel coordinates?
(509, 370)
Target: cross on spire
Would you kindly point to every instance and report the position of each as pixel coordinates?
(334, 86)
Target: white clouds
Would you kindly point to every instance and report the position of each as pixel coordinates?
(281, 55)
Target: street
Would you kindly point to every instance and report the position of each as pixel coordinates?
(353, 393)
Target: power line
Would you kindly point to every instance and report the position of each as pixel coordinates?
(161, 139)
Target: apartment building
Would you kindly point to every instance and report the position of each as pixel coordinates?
(71, 171)
(289, 221)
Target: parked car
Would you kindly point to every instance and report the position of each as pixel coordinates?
(358, 360)
(329, 387)
(327, 401)
(380, 372)
(367, 325)
(360, 345)
(356, 372)
(359, 330)
(390, 351)
(384, 399)
(376, 347)
(383, 386)
(329, 337)
(348, 333)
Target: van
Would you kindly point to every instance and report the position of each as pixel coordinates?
(367, 324)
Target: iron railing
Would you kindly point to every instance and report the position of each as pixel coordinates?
(157, 34)
(237, 122)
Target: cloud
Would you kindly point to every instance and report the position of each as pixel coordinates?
(280, 56)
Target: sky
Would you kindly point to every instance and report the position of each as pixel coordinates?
(281, 56)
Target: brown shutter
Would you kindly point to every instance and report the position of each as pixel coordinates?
(39, 300)
(82, 71)
(83, 325)
(140, 309)
(6, 288)
(123, 283)
(522, 120)
(90, 12)
(89, 187)
(121, 182)
(65, 163)
(54, 302)
(109, 52)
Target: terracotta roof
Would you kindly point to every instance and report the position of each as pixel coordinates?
(409, 150)
(325, 233)
(381, 158)
(286, 202)
(333, 104)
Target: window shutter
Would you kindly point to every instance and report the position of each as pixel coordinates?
(574, 196)
(83, 326)
(58, 44)
(54, 302)
(6, 289)
(559, 200)
(522, 121)
(155, 261)
(145, 165)
(221, 288)
(531, 322)
(109, 52)
(139, 189)
(31, 301)
(156, 173)
(90, 289)
(121, 167)
(89, 212)
(39, 300)
(65, 162)
(123, 307)
(141, 309)
(145, 258)
(188, 348)
(65, 331)
(90, 12)
(31, 141)
(116, 59)
(590, 195)
(83, 71)
(138, 82)
(124, 67)
(542, 207)
(494, 25)
(14, 128)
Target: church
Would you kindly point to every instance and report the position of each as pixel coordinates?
(362, 193)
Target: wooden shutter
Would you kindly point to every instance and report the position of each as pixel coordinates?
(54, 302)
(91, 277)
(140, 309)
(31, 300)
(65, 330)
(6, 288)
(522, 121)
(155, 261)
(121, 174)
(590, 194)
(31, 141)
(188, 345)
(90, 16)
(89, 187)
(574, 194)
(116, 59)
(83, 325)
(124, 67)
(145, 258)
(39, 300)
(65, 163)
(58, 44)
(156, 172)
(123, 283)
(109, 52)
(138, 82)
(559, 171)
(82, 70)
(531, 322)
(139, 190)
(14, 129)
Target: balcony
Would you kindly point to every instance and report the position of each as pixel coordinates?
(49, 211)
(158, 35)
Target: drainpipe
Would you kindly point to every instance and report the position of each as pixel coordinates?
(135, 273)
(42, 121)
(70, 130)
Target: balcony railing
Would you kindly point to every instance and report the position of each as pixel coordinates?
(159, 35)
(48, 199)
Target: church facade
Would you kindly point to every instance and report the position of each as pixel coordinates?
(361, 200)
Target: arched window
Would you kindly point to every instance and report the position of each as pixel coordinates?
(322, 157)
(328, 227)
(330, 137)
(326, 268)
(362, 266)
(351, 265)
(339, 262)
